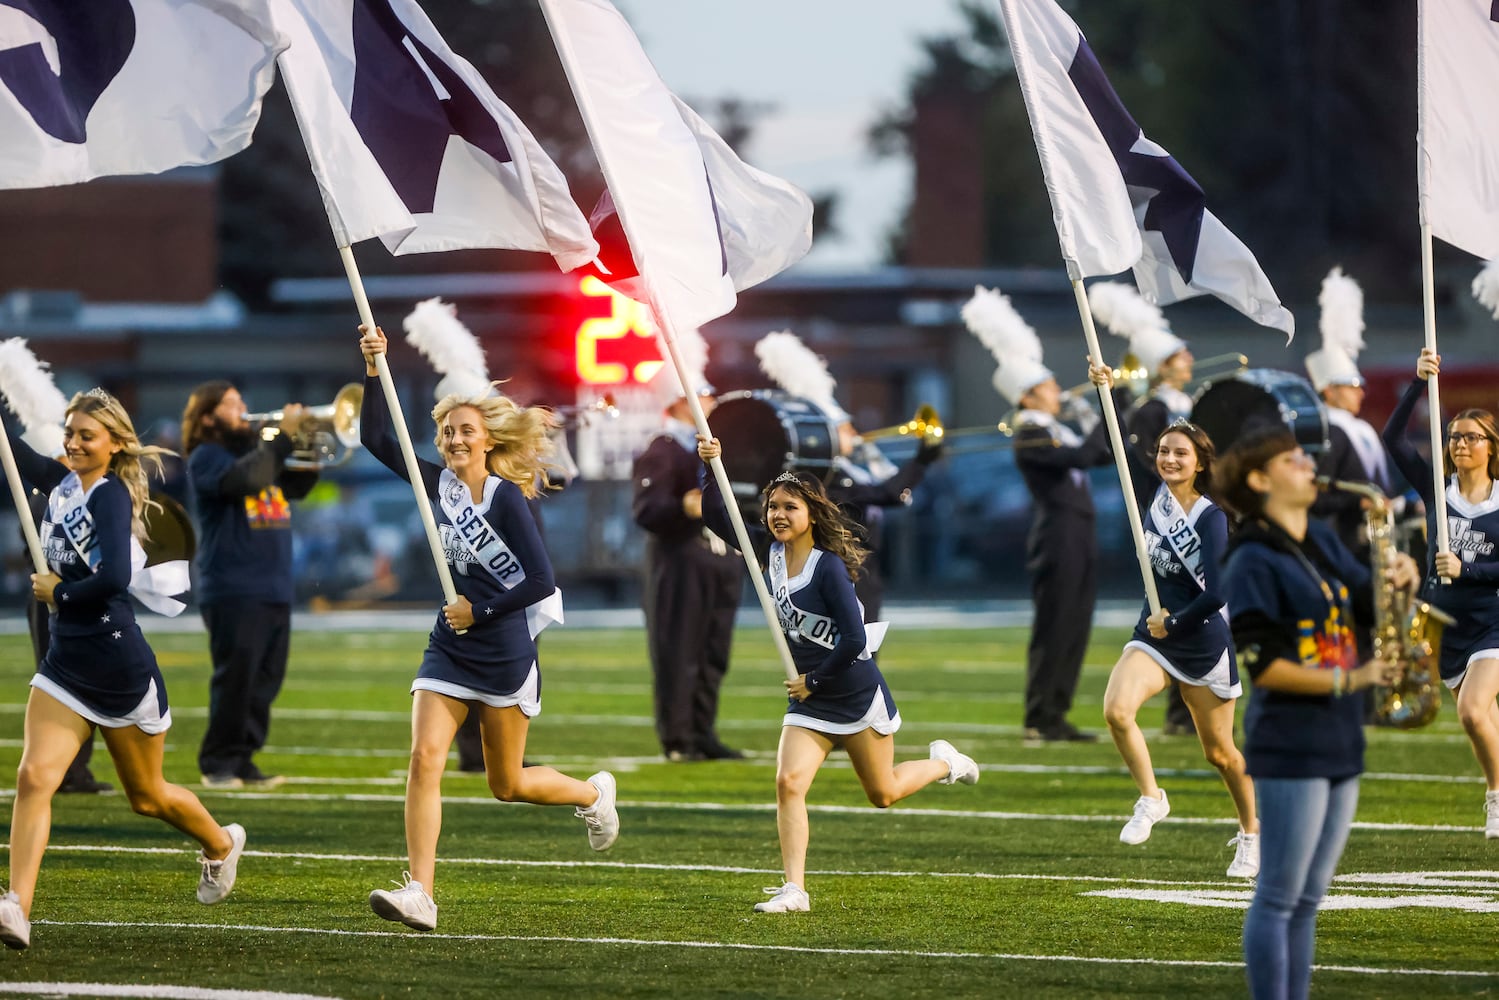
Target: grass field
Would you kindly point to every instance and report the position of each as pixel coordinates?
(1015, 887)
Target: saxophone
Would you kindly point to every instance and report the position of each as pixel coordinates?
(1406, 632)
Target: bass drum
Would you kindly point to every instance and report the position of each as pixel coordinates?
(1230, 407)
(765, 432)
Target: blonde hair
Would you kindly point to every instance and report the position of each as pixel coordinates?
(521, 436)
(128, 465)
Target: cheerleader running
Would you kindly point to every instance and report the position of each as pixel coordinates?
(839, 698)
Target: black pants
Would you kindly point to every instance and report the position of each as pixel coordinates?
(1064, 584)
(249, 642)
(690, 597)
(78, 772)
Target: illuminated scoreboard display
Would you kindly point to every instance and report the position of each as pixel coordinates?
(618, 349)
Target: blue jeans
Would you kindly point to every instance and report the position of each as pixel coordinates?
(1303, 829)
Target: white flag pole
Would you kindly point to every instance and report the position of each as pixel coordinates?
(393, 402)
(1116, 438)
(725, 488)
(1434, 397)
(23, 508)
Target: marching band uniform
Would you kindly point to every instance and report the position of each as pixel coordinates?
(498, 563)
(1473, 597)
(691, 593)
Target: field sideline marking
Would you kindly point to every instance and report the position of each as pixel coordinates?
(155, 992)
(737, 946)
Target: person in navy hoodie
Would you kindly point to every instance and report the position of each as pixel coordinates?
(481, 656)
(1293, 590)
(838, 698)
(240, 489)
(1463, 582)
(98, 669)
(1187, 640)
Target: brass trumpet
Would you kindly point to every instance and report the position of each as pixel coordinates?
(1231, 363)
(327, 437)
(926, 424)
(573, 417)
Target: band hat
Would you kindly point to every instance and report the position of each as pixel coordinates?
(693, 349)
(44, 439)
(991, 318)
(434, 329)
(33, 396)
(800, 371)
(1486, 287)
(1122, 310)
(1342, 327)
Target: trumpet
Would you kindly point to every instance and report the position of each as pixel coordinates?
(926, 424)
(582, 415)
(328, 436)
(1230, 364)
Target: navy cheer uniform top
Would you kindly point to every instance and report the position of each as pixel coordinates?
(97, 661)
(1197, 647)
(824, 627)
(494, 661)
(1473, 530)
(1293, 602)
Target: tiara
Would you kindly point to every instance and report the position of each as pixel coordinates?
(787, 477)
(99, 393)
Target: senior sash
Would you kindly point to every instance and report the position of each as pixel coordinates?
(153, 586)
(804, 625)
(489, 550)
(1180, 531)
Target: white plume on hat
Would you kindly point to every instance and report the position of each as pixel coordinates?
(1342, 326)
(32, 396)
(793, 366)
(434, 329)
(991, 318)
(694, 351)
(1486, 287)
(1126, 314)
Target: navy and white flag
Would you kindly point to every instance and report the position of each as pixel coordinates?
(764, 222)
(1458, 140)
(697, 220)
(410, 144)
(129, 87)
(1118, 199)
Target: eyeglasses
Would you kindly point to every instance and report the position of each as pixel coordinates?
(1468, 440)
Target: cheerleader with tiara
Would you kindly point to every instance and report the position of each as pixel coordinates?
(838, 698)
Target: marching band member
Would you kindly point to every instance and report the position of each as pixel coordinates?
(241, 488)
(1062, 547)
(98, 670)
(693, 580)
(492, 452)
(1292, 589)
(1168, 361)
(1470, 647)
(1186, 534)
(839, 698)
(863, 480)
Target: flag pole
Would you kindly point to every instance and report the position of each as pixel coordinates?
(393, 402)
(1433, 396)
(725, 488)
(23, 508)
(1116, 438)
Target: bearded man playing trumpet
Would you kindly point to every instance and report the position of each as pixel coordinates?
(240, 489)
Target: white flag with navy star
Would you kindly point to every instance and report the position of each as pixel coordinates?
(1458, 140)
(130, 87)
(1118, 199)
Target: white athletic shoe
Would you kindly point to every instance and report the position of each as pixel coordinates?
(218, 876)
(409, 904)
(1246, 863)
(601, 818)
(960, 766)
(15, 929)
(789, 898)
(1491, 816)
(1148, 812)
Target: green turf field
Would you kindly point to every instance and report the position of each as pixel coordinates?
(1015, 887)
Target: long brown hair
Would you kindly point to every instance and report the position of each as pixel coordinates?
(1485, 421)
(1206, 453)
(832, 530)
(128, 464)
(521, 436)
(204, 400)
